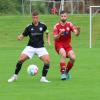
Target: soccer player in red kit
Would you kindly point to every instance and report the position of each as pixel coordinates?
(62, 37)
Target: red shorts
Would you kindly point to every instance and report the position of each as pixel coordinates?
(67, 48)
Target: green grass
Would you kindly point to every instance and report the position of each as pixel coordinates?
(85, 82)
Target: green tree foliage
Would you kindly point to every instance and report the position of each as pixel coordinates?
(14, 7)
(10, 6)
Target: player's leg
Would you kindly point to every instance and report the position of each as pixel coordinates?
(21, 60)
(62, 54)
(70, 64)
(26, 54)
(46, 60)
(44, 56)
(72, 57)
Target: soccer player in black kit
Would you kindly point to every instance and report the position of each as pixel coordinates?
(35, 31)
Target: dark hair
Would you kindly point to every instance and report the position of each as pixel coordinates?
(35, 13)
(62, 12)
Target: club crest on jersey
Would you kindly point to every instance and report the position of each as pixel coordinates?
(40, 28)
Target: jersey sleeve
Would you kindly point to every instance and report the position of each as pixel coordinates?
(44, 28)
(55, 30)
(26, 31)
(72, 27)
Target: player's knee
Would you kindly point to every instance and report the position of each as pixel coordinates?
(23, 58)
(62, 53)
(73, 58)
(47, 60)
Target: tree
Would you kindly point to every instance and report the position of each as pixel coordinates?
(9, 6)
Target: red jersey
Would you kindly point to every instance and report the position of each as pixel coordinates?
(66, 38)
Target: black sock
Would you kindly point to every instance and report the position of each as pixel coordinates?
(45, 69)
(18, 67)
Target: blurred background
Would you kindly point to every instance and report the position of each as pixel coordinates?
(46, 6)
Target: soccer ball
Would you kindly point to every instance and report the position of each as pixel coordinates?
(32, 70)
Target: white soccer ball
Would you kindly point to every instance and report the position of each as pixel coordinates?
(32, 70)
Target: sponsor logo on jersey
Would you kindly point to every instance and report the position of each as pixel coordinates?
(32, 29)
(34, 34)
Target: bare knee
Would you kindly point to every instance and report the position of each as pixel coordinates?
(62, 53)
(23, 58)
(72, 56)
(46, 59)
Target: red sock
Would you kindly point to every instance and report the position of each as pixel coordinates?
(69, 66)
(62, 67)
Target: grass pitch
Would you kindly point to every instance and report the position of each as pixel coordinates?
(85, 82)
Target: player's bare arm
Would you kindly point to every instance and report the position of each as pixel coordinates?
(48, 38)
(60, 34)
(20, 37)
(77, 30)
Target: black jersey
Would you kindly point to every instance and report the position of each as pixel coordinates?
(35, 34)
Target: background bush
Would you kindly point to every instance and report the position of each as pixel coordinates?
(10, 6)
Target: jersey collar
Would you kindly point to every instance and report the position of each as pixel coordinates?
(34, 25)
(62, 24)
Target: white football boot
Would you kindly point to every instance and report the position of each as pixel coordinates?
(12, 79)
(43, 79)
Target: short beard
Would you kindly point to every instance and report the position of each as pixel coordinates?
(63, 21)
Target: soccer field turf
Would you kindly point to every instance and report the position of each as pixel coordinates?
(85, 82)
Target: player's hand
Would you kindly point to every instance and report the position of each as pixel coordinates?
(20, 37)
(62, 31)
(77, 30)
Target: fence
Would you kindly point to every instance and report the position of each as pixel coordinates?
(55, 6)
